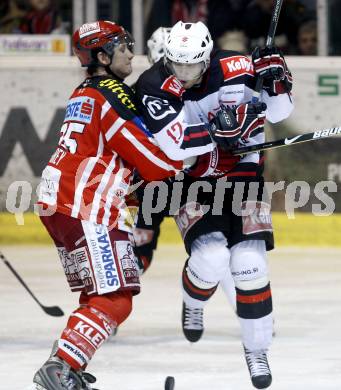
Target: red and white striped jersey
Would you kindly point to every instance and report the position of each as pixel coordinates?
(102, 141)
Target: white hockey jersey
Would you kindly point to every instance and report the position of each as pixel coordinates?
(178, 118)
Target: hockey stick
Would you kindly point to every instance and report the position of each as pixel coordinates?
(269, 42)
(54, 311)
(297, 139)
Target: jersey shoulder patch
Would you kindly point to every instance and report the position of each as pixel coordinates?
(236, 66)
(80, 109)
(173, 86)
(159, 95)
(157, 107)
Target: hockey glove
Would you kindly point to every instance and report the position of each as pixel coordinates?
(270, 64)
(214, 164)
(229, 126)
(224, 128)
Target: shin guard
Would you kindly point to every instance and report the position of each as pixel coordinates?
(92, 324)
(86, 331)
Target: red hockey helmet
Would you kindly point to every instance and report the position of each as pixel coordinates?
(91, 38)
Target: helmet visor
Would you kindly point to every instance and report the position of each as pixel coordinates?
(124, 40)
(187, 72)
(128, 40)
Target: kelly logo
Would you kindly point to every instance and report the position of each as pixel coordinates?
(236, 66)
(173, 86)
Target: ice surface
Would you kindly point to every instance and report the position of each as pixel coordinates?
(306, 352)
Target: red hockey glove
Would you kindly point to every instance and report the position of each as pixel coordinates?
(215, 163)
(251, 117)
(229, 126)
(269, 63)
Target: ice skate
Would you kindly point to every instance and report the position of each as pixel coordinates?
(192, 322)
(259, 369)
(56, 374)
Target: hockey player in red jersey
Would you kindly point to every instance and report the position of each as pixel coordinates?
(195, 94)
(86, 205)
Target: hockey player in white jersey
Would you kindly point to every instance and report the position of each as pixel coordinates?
(146, 235)
(156, 44)
(195, 95)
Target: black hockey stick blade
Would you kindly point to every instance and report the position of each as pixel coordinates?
(170, 383)
(54, 311)
(297, 139)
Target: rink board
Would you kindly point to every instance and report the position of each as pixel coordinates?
(304, 229)
(305, 354)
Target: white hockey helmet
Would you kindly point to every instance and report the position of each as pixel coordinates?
(156, 44)
(188, 44)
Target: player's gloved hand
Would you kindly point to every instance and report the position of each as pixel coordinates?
(143, 261)
(250, 116)
(215, 163)
(269, 63)
(229, 125)
(224, 128)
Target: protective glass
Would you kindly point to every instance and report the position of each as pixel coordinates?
(187, 72)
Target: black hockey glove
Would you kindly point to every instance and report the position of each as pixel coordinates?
(143, 253)
(224, 128)
(269, 63)
(228, 126)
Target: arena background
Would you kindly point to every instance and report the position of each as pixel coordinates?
(36, 90)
